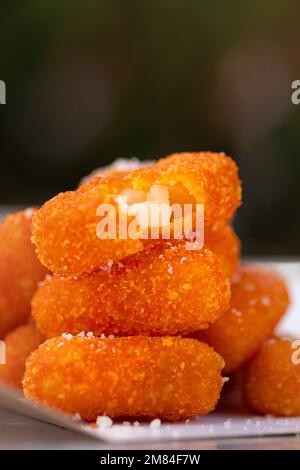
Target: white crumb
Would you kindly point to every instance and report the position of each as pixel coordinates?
(67, 336)
(28, 212)
(76, 417)
(155, 423)
(265, 301)
(104, 422)
(170, 269)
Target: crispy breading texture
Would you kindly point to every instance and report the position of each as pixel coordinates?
(20, 270)
(163, 290)
(171, 378)
(207, 178)
(64, 229)
(19, 344)
(272, 379)
(226, 245)
(259, 300)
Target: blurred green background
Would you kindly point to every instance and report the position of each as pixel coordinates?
(91, 81)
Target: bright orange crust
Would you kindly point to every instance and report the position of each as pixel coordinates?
(259, 300)
(207, 178)
(170, 378)
(20, 270)
(226, 245)
(19, 344)
(64, 229)
(163, 290)
(272, 380)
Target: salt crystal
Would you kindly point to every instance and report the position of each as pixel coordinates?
(155, 423)
(46, 278)
(28, 212)
(107, 266)
(81, 334)
(76, 417)
(227, 423)
(236, 278)
(236, 312)
(90, 334)
(104, 422)
(265, 301)
(67, 336)
(170, 269)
